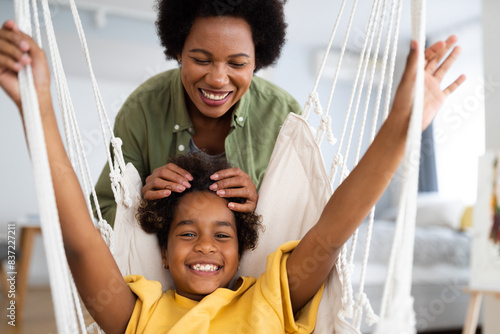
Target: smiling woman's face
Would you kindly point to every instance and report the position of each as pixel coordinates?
(202, 251)
(218, 61)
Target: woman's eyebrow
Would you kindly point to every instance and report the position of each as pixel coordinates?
(210, 54)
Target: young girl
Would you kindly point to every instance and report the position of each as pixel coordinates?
(202, 239)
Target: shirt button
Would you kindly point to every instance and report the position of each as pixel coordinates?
(240, 119)
(181, 148)
(176, 127)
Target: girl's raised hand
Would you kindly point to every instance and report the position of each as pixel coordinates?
(16, 51)
(437, 64)
(438, 60)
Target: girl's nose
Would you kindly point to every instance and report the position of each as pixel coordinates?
(205, 245)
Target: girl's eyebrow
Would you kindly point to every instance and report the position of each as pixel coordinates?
(192, 221)
(185, 222)
(223, 223)
(210, 54)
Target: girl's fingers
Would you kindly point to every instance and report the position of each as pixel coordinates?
(451, 88)
(11, 25)
(447, 63)
(437, 52)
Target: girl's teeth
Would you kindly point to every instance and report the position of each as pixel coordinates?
(205, 267)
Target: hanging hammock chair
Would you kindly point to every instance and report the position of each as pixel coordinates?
(296, 160)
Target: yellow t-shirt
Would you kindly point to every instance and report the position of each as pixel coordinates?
(261, 306)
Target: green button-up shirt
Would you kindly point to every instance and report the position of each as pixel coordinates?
(154, 126)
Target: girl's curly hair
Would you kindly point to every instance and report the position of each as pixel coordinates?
(156, 216)
(265, 17)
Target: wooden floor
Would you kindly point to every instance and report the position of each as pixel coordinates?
(38, 314)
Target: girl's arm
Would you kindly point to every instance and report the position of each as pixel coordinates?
(96, 274)
(354, 198)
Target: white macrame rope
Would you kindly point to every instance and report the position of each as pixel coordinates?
(392, 65)
(71, 128)
(365, 113)
(346, 272)
(56, 68)
(370, 85)
(116, 165)
(339, 157)
(38, 35)
(385, 67)
(339, 63)
(363, 68)
(313, 99)
(397, 300)
(372, 136)
(56, 259)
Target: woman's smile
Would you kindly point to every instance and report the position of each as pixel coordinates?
(218, 61)
(213, 98)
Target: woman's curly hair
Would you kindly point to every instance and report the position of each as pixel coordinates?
(265, 17)
(156, 216)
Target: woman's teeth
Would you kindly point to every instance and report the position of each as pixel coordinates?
(214, 97)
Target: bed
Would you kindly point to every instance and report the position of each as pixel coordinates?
(441, 264)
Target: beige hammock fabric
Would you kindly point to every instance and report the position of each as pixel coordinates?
(296, 174)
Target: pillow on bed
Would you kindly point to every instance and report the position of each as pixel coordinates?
(433, 210)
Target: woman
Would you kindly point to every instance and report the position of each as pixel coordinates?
(213, 103)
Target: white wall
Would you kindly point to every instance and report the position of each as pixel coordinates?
(491, 51)
(491, 41)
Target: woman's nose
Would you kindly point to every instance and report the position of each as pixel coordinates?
(217, 76)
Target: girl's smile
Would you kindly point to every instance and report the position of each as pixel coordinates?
(202, 251)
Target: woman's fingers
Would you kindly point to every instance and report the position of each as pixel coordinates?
(165, 180)
(156, 194)
(239, 207)
(233, 182)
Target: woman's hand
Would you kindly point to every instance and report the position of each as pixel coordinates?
(16, 51)
(164, 180)
(233, 182)
(435, 70)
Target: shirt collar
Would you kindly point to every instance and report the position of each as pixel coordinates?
(181, 118)
(240, 112)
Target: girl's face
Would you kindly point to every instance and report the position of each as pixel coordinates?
(218, 61)
(202, 252)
